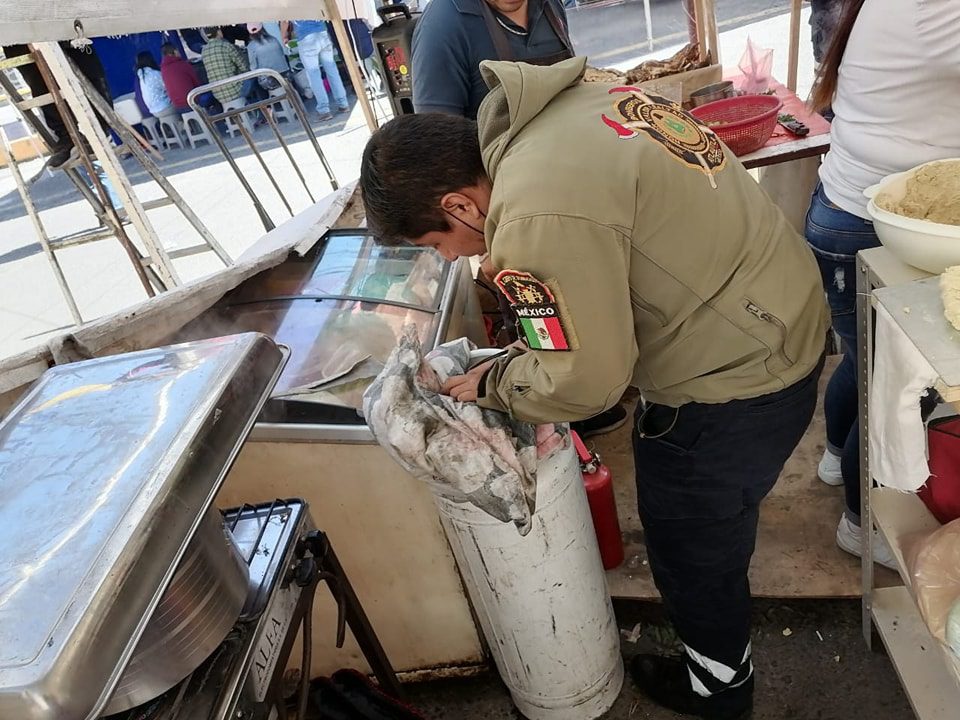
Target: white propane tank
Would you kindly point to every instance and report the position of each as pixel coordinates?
(542, 600)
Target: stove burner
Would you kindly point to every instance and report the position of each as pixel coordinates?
(263, 533)
(266, 536)
(287, 559)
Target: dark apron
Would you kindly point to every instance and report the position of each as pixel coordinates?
(498, 34)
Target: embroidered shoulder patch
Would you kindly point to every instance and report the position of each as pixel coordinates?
(664, 121)
(537, 310)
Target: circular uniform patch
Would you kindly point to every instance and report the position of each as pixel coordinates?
(536, 309)
(665, 122)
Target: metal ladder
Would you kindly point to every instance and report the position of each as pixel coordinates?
(70, 90)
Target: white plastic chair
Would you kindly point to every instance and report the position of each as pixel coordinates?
(195, 129)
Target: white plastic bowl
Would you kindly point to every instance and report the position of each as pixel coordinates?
(927, 245)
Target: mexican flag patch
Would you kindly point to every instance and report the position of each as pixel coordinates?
(538, 315)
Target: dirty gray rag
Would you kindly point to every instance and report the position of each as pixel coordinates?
(466, 453)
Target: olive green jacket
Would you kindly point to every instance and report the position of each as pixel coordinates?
(671, 269)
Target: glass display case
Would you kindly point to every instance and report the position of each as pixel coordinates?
(340, 309)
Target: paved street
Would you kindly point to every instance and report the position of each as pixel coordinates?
(811, 664)
(100, 275)
(610, 34)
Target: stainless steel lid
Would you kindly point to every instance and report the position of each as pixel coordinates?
(106, 469)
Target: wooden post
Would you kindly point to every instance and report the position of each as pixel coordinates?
(690, 9)
(701, 29)
(794, 50)
(713, 37)
(705, 22)
(352, 63)
(40, 229)
(69, 87)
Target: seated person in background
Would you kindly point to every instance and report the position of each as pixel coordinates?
(236, 33)
(223, 60)
(179, 77)
(265, 51)
(152, 88)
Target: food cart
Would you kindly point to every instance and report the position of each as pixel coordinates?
(314, 284)
(323, 288)
(340, 309)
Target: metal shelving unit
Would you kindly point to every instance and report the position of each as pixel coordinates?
(913, 298)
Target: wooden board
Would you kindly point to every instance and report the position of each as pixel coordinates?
(690, 81)
(785, 152)
(797, 555)
(793, 52)
(929, 683)
(35, 20)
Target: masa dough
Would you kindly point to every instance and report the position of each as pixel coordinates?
(950, 294)
(933, 193)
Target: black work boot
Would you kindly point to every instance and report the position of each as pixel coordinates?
(329, 703)
(666, 681)
(61, 154)
(372, 702)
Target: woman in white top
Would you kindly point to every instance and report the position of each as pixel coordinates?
(892, 75)
(152, 89)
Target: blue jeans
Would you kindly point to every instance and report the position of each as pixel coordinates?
(836, 237)
(104, 180)
(316, 50)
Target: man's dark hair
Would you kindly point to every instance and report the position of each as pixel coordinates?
(211, 31)
(409, 164)
(169, 49)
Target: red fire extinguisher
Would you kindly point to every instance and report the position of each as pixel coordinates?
(603, 505)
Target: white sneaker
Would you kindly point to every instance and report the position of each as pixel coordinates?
(829, 469)
(850, 539)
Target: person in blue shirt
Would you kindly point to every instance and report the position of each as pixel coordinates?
(453, 37)
(450, 40)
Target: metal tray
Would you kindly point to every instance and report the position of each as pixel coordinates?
(106, 469)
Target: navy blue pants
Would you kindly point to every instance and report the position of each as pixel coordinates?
(701, 472)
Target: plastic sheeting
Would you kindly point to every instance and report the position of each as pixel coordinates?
(934, 563)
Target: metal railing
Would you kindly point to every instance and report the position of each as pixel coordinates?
(236, 115)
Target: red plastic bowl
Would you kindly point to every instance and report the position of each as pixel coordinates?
(743, 123)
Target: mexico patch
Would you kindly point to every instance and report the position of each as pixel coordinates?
(637, 112)
(537, 310)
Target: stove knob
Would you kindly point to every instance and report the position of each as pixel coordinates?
(305, 572)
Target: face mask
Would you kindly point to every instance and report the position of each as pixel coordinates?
(463, 222)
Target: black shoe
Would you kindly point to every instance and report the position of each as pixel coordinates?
(372, 702)
(666, 681)
(62, 155)
(605, 422)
